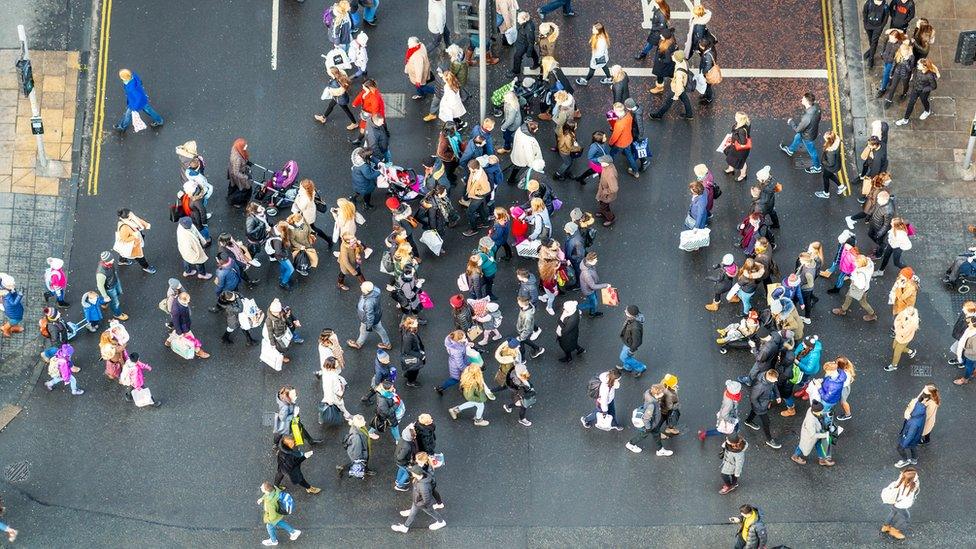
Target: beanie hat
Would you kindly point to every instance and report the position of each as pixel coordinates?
(457, 300)
(106, 256)
(733, 387)
(382, 356)
(727, 259)
(576, 214)
(275, 306)
(186, 222)
(392, 203)
(632, 310)
(571, 227)
(817, 406)
(907, 272)
(174, 284)
(629, 103)
(793, 280)
(670, 381)
(55, 263)
(701, 170)
(366, 287)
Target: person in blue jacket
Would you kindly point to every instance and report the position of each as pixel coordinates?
(13, 307)
(807, 355)
(911, 435)
(832, 385)
(598, 148)
(364, 177)
(698, 211)
(136, 99)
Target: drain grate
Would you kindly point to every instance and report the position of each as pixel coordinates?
(17, 472)
(396, 104)
(921, 370)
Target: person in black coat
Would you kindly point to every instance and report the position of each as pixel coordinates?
(663, 64)
(874, 15)
(426, 435)
(413, 356)
(902, 12)
(567, 331)
(524, 44)
(925, 81)
(764, 391)
(707, 50)
(290, 464)
(632, 336)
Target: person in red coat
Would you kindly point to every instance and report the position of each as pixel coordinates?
(370, 100)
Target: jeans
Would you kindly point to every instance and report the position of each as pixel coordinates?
(630, 363)
(509, 138)
(590, 418)
(446, 384)
(908, 453)
(746, 301)
(479, 408)
(285, 269)
(647, 49)
(567, 6)
(200, 268)
(629, 153)
(72, 382)
(402, 476)
(891, 253)
(811, 149)
(113, 294)
(425, 89)
(369, 13)
(415, 510)
(714, 432)
(565, 165)
(331, 104)
(669, 100)
(589, 303)
(969, 366)
(127, 117)
(378, 328)
(272, 526)
(477, 213)
(898, 518)
(445, 36)
(886, 75)
(642, 434)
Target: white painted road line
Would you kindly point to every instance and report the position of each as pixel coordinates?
(274, 35)
(726, 73)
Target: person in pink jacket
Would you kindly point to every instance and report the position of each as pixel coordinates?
(61, 370)
(56, 282)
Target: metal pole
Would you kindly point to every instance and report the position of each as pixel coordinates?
(35, 107)
(972, 143)
(482, 64)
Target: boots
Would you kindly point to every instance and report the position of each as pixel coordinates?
(713, 306)
(469, 57)
(721, 331)
(721, 341)
(16, 328)
(249, 341)
(788, 412)
(226, 338)
(659, 88)
(735, 299)
(5, 329)
(885, 528)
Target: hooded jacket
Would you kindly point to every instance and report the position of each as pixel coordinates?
(426, 437)
(632, 333)
(529, 288)
(830, 389)
(525, 147)
(763, 392)
(363, 175)
(290, 462)
(911, 430)
(525, 324)
(357, 444)
(406, 448)
(874, 16)
(590, 280)
(369, 310)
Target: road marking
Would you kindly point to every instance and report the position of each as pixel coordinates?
(98, 120)
(647, 11)
(833, 92)
(726, 73)
(274, 35)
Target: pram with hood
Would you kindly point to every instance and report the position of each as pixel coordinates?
(277, 189)
(403, 183)
(528, 90)
(743, 334)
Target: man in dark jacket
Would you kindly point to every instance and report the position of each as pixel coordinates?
(766, 199)
(879, 222)
(632, 335)
(752, 530)
(575, 250)
(806, 131)
(524, 43)
(423, 500)
(228, 277)
(528, 285)
(378, 138)
(707, 50)
(364, 176)
(769, 352)
(874, 15)
(370, 317)
(426, 438)
(764, 391)
(403, 454)
(902, 12)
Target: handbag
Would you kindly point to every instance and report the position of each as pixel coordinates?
(329, 414)
(889, 495)
(182, 346)
(124, 249)
(743, 146)
(600, 61)
(725, 427)
(285, 339)
(714, 74)
(138, 124)
(637, 417)
(386, 263)
(529, 399)
(693, 239)
(604, 422)
(425, 301)
(609, 296)
(271, 356)
(462, 283)
(437, 460)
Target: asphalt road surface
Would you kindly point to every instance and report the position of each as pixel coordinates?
(104, 473)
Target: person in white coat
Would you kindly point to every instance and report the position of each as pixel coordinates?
(333, 386)
(609, 383)
(599, 55)
(437, 23)
(525, 149)
(190, 242)
(860, 283)
(307, 202)
(814, 433)
(451, 108)
(358, 55)
(900, 495)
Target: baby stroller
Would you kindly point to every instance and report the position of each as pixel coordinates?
(962, 272)
(743, 334)
(403, 183)
(279, 190)
(529, 89)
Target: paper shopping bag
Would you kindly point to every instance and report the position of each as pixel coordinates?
(609, 296)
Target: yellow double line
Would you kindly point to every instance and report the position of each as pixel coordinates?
(98, 122)
(833, 91)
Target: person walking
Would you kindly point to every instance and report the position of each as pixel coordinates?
(740, 143)
(764, 391)
(13, 306)
(62, 369)
(525, 327)
(733, 460)
(652, 421)
(860, 283)
(109, 284)
(874, 16)
(358, 449)
(924, 82)
(370, 317)
(190, 244)
(525, 151)
(130, 240)
(905, 326)
(632, 336)
(423, 499)
(567, 331)
(524, 43)
(806, 132)
(290, 464)
(523, 393)
(679, 88)
(553, 5)
(437, 24)
(931, 399)
(751, 533)
(599, 55)
(911, 433)
(814, 433)
(602, 390)
(606, 191)
(475, 392)
(622, 137)
(727, 417)
(337, 93)
(831, 164)
(180, 319)
(660, 17)
(56, 282)
(706, 48)
(590, 284)
(273, 519)
(900, 494)
(136, 100)
(413, 356)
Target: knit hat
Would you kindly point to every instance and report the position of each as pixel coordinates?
(382, 356)
(817, 406)
(275, 306)
(357, 420)
(570, 306)
(728, 259)
(700, 170)
(362, 38)
(632, 310)
(7, 282)
(105, 256)
(174, 284)
(764, 173)
(733, 387)
(670, 381)
(457, 300)
(392, 203)
(486, 242)
(907, 272)
(366, 287)
(576, 214)
(571, 227)
(55, 263)
(792, 281)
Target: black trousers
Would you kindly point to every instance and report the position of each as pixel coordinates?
(829, 176)
(924, 96)
(669, 100)
(279, 476)
(763, 421)
(519, 54)
(874, 35)
(345, 108)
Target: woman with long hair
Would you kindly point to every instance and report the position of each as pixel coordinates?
(500, 232)
(307, 202)
(922, 38)
(660, 17)
(599, 55)
(550, 258)
(239, 174)
(350, 261)
(900, 494)
(931, 399)
(904, 65)
(329, 347)
(337, 93)
(897, 241)
(475, 392)
(925, 81)
(475, 278)
(831, 165)
(748, 279)
(847, 366)
(737, 151)
(451, 108)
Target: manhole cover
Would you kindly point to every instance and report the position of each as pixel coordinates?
(17, 472)
(921, 370)
(268, 419)
(396, 104)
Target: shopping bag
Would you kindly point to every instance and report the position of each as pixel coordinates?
(511, 34)
(437, 460)
(725, 427)
(251, 316)
(425, 301)
(726, 141)
(386, 263)
(642, 149)
(270, 355)
(137, 123)
(462, 282)
(296, 431)
(123, 248)
(889, 495)
(604, 422)
(528, 248)
(329, 414)
(609, 296)
(285, 339)
(433, 241)
(693, 239)
(142, 397)
(700, 83)
(637, 417)
(182, 347)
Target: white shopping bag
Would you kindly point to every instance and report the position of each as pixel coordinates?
(142, 397)
(433, 241)
(604, 422)
(693, 239)
(270, 355)
(700, 83)
(137, 124)
(726, 141)
(528, 248)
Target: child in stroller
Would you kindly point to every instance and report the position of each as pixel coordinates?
(403, 183)
(279, 190)
(529, 89)
(962, 272)
(743, 334)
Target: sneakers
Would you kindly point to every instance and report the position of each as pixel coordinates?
(582, 419)
(150, 269)
(535, 333)
(405, 513)
(877, 274)
(912, 353)
(633, 448)
(581, 81)
(903, 463)
(399, 488)
(843, 417)
(399, 528)
(773, 444)
(294, 535)
(525, 422)
(901, 122)
(313, 490)
(821, 194)
(470, 232)
(841, 189)
(925, 115)
(538, 353)
(850, 222)
(436, 506)
(454, 412)
(78, 392)
(890, 368)
(785, 149)
(798, 459)
(480, 422)
(663, 452)
(813, 170)
(438, 525)
(507, 408)
(269, 542)
(751, 425)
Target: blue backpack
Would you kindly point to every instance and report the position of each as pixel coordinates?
(286, 503)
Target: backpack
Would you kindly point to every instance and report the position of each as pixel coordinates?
(690, 83)
(286, 503)
(328, 17)
(42, 324)
(593, 387)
